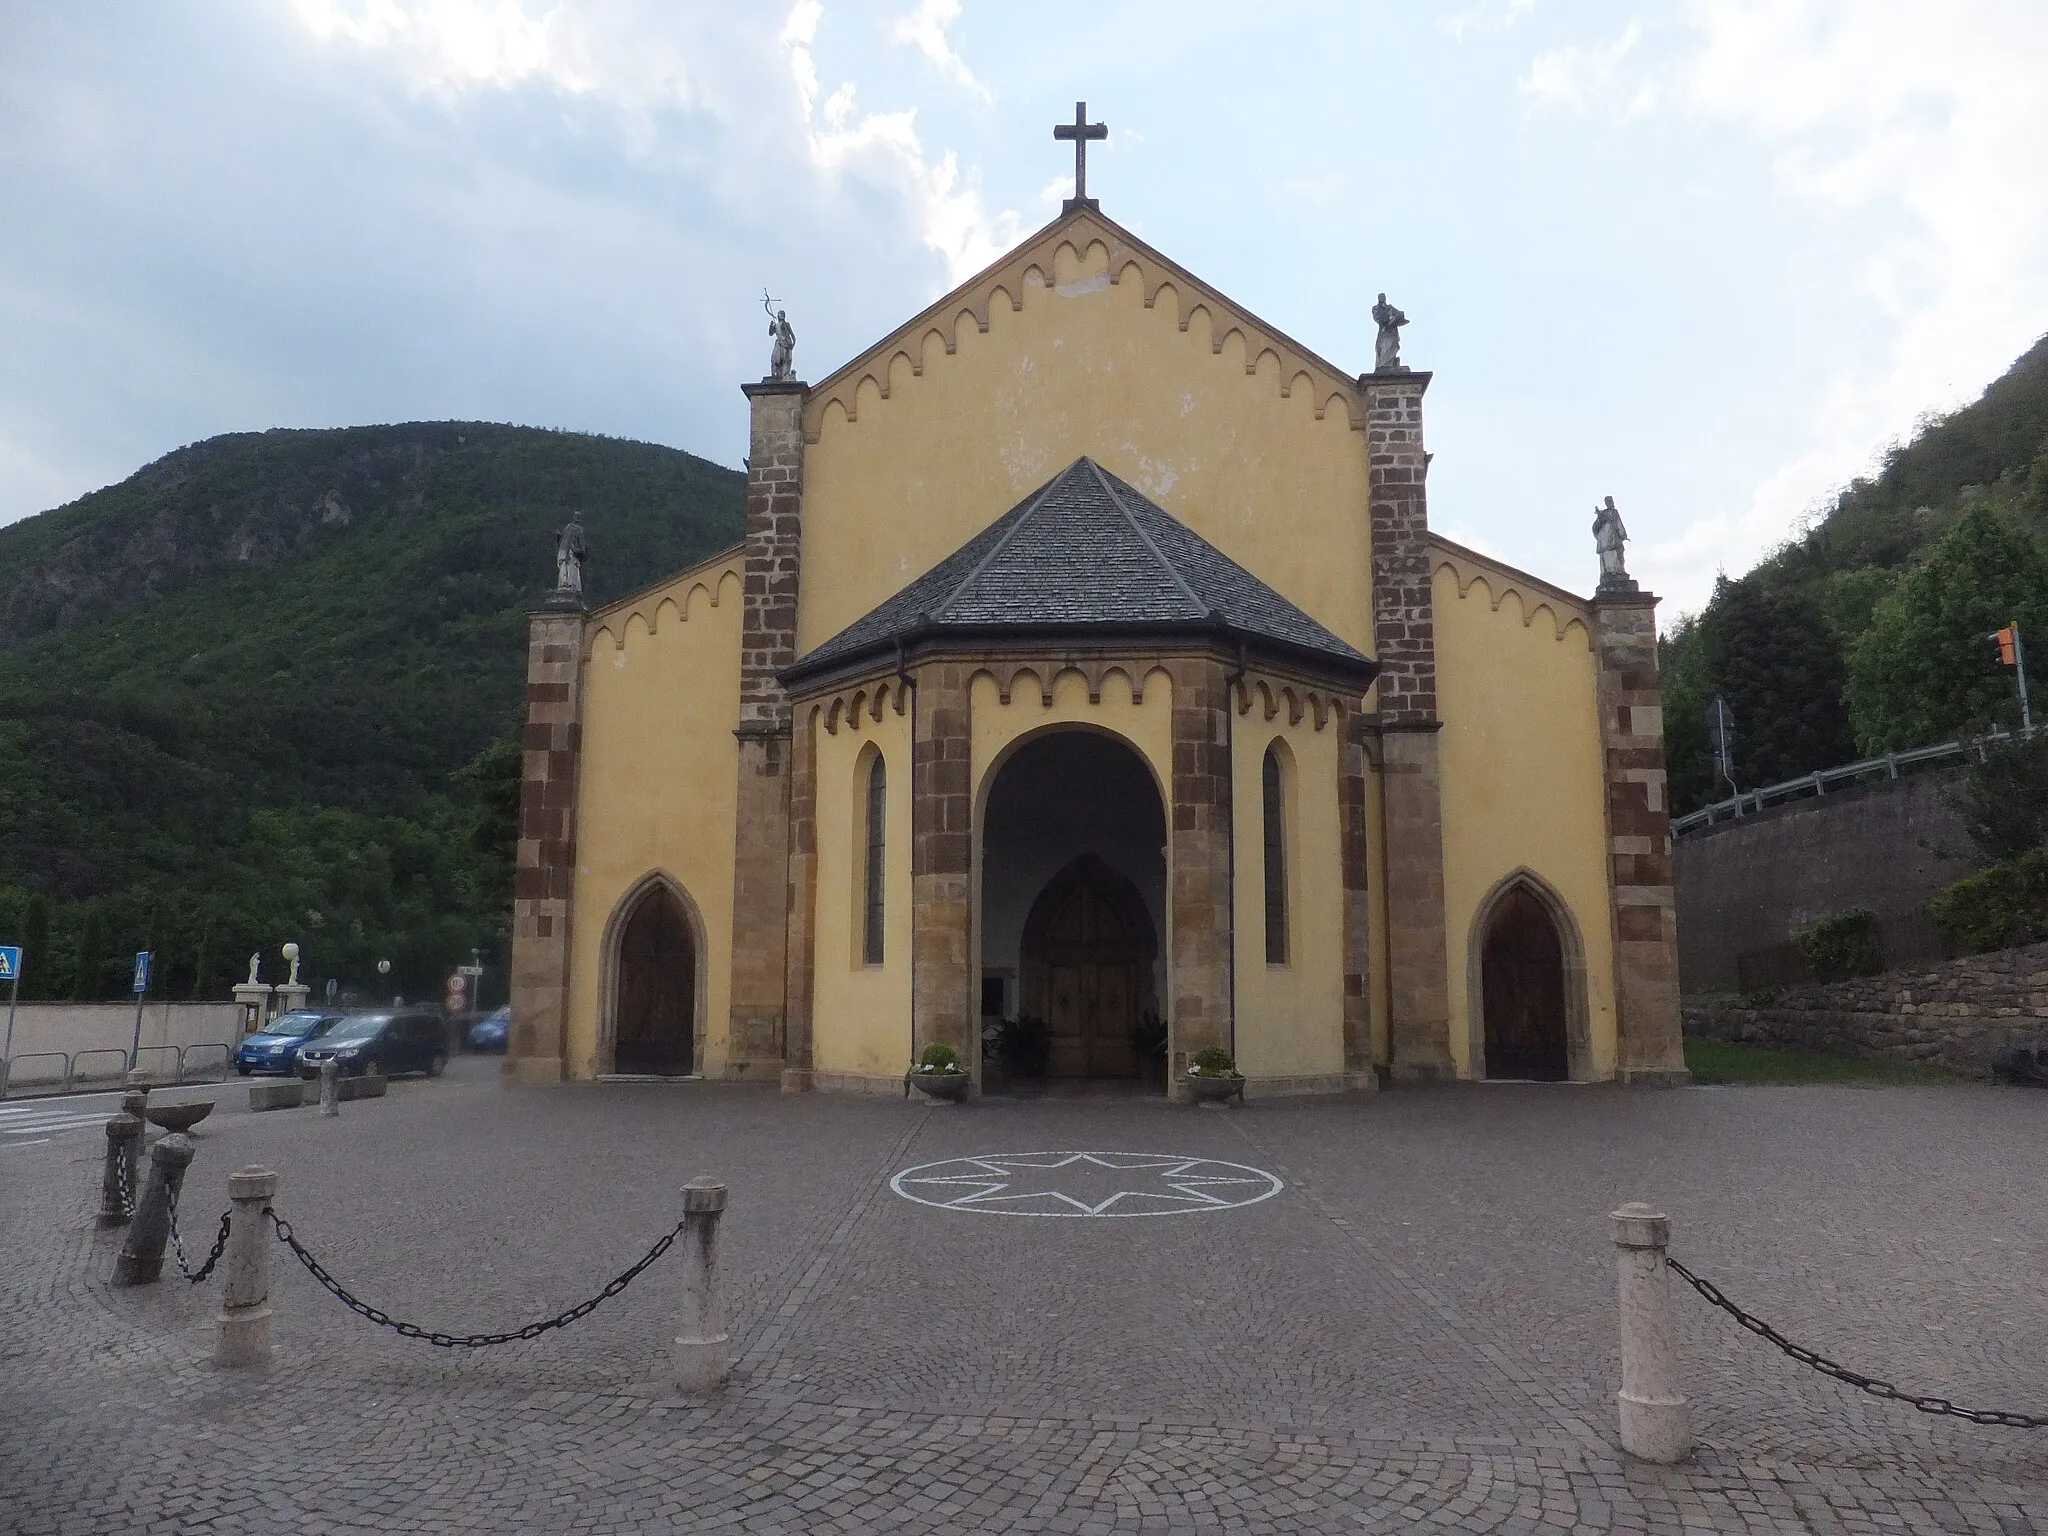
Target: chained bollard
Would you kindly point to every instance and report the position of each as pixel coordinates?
(136, 1102)
(330, 1087)
(242, 1331)
(142, 1254)
(702, 1348)
(117, 1178)
(1656, 1422)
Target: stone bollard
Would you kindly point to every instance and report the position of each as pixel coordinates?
(703, 1348)
(142, 1254)
(1656, 1422)
(242, 1331)
(117, 1178)
(137, 1081)
(136, 1102)
(330, 1087)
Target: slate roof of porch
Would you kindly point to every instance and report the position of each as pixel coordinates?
(1084, 552)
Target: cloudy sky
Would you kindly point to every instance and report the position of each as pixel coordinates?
(1707, 257)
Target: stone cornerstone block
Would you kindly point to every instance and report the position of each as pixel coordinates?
(1651, 1045)
(545, 872)
(1198, 834)
(761, 853)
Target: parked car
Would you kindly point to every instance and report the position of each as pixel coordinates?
(390, 1043)
(488, 1033)
(276, 1048)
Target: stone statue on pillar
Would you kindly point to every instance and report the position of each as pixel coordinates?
(1609, 535)
(1386, 349)
(569, 552)
(255, 965)
(782, 353)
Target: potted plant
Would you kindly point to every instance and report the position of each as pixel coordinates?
(939, 1075)
(1213, 1077)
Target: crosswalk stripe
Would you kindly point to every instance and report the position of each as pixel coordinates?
(53, 1123)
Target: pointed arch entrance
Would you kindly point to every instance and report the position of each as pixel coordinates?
(654, 1006)
(1528, 982)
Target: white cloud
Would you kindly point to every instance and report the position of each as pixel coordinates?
(926, 29)
(1580, 76)
(1485, 17)
(1923, 122)
(449, 44)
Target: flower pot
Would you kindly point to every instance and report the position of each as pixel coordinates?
(942, 1087)
(1214, 1090)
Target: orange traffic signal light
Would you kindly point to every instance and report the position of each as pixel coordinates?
(2003, 639)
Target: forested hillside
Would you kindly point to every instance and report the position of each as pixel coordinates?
(267, 689)
(1868, 633)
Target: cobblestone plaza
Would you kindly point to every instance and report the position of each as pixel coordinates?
(1361, 1314)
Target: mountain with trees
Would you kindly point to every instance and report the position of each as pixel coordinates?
(268, 688)
(1869, 632)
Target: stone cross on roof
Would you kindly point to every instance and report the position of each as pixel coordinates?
(1080, 130)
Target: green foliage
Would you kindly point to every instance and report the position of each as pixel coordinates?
(1999, 907)
(1843, 945)
(2002, 800)
(939, 1057)
(1212, 1061)
(1904, 659)
(1716, 1063)
(36, 968)
(88, 969)
(1925, 669)
(261, 689)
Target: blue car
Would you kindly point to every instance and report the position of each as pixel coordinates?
(488, 1033)
(277, 1048)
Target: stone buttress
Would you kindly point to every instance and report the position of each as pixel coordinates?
(544, 877)
(1404, 632)
(761, 869)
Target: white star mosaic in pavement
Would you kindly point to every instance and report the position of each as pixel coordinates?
(1086, 1184)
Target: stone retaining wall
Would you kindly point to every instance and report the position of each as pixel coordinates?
(1954, 1015)
(75, 1027)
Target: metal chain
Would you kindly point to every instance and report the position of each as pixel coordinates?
(314, 1267)
(121, 1178)
(220, 1244)
(1876, 1388)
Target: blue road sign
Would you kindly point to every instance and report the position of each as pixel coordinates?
(141, 971)
(10, 962)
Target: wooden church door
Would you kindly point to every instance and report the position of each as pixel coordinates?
(1094, 954)
(1522, 980)
(657, 991)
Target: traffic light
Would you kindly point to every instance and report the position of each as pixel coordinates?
(2007, 648)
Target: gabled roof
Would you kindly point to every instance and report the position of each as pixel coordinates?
(1086, 554)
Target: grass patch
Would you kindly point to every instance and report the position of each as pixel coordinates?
(1716, 1062)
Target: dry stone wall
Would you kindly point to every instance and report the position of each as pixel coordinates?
(1953, 1015)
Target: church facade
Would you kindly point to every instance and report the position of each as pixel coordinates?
(1090, 681)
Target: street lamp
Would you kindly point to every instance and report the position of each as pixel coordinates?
(384, 969)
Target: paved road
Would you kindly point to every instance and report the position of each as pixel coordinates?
(1414, 1331)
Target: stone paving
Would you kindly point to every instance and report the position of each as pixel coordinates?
(1416, 1332)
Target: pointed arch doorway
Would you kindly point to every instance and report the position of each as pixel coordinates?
(654, 1002)
(1523, 989)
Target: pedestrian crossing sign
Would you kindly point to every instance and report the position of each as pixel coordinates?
(10, 962)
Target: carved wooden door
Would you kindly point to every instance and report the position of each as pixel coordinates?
(1522, 973)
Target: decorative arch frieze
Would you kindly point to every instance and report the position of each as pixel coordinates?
(1533, 596)
(1273, 696)
(1033, 267)
(862, 704)
(679, 598)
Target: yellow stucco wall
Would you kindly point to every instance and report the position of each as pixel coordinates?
(1521, 768)
(861, 1013)
(1086, 368)
(1290, 1018)
(658, 782)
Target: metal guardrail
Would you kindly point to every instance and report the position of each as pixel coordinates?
(7, 1069)
(1815, 784)
(120, 1069)
(149, 1051)
(187, 1073)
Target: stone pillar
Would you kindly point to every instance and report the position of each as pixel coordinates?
(1656, 1422)
(117, 1176)
(291, 996)
(703, 1349)
(760, 904)
(942, 966)
(1199, 852)
(242, 1331)
(142, 1252)
(253, 997)
(1353, 777)
(800, 986)
(544, 880)
(1404, 634)
(1651, 1046)
(330, 1087)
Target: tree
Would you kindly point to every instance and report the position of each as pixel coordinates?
(38, 974)
(87, 982)
(1770, 653)
(1925, 670)
(2002, 800)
